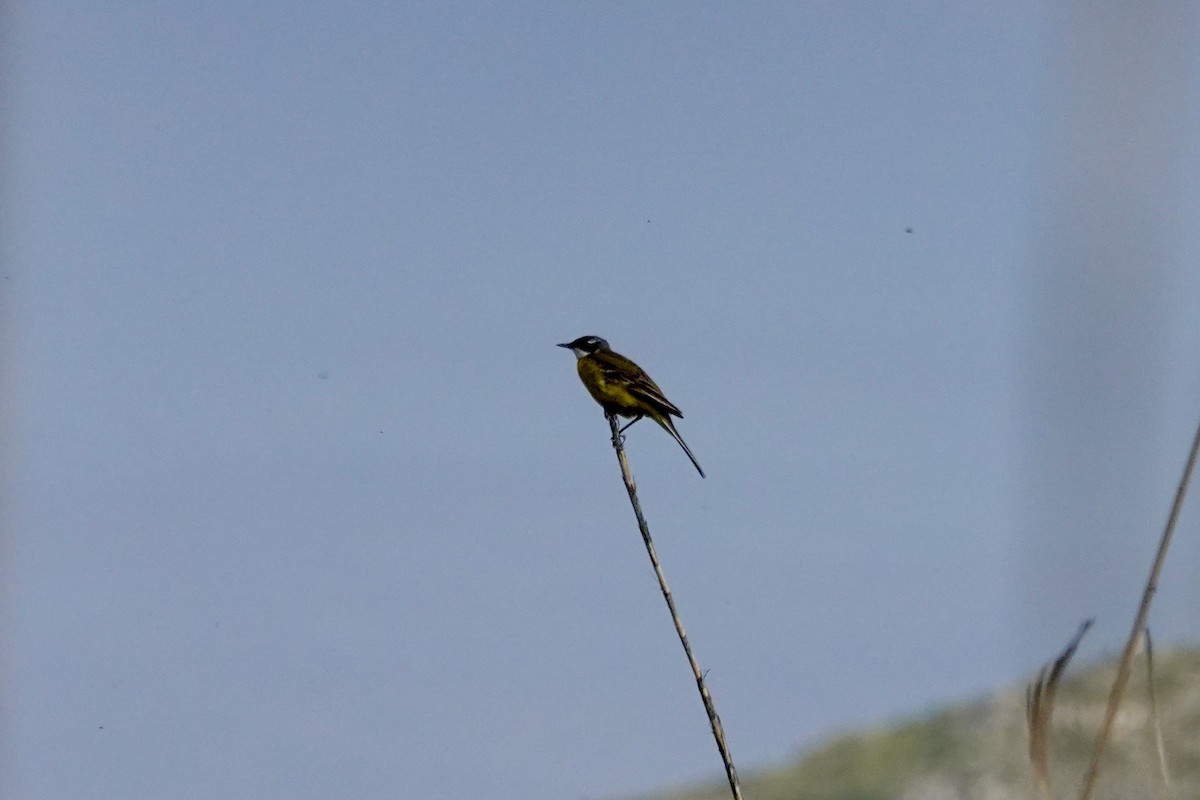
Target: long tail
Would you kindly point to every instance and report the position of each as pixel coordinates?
(669, 427)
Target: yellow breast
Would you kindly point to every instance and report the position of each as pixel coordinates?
(613, 395)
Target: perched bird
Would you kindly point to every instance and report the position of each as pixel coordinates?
(622, 387)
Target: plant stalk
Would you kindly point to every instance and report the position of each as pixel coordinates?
(714, 721)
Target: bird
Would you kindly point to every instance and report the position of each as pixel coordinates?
(622, 387)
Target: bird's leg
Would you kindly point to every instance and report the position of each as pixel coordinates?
(627, 424)
(617, 438)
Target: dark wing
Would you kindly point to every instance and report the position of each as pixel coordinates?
(619, 369)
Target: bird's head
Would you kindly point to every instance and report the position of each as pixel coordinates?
(586, 345)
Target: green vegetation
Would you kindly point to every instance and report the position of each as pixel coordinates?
(978, 750)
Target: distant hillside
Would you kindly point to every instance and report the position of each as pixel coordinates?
(978, 750)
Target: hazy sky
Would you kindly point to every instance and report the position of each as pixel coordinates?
(301, 500)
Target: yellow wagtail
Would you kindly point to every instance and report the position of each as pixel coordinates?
(622, 387)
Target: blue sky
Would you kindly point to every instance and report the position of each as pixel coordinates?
(302, 501)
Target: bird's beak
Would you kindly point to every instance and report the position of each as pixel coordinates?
(560, 344)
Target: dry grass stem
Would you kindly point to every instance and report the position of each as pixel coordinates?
(1139, 624)
(1155, 722)
(714, 721)
(1039, 709)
